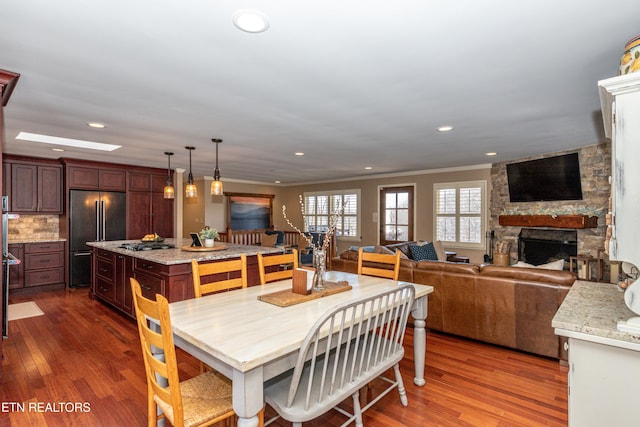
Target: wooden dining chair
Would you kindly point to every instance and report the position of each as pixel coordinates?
(200, 401)
(347, 347)
(392, 261)
(219, 275)
(267, 263)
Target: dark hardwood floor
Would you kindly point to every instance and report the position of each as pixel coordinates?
(81, 364)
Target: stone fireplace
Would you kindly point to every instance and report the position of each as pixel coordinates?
(595, 169)
(542, 245)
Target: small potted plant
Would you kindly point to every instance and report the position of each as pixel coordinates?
(208, 235)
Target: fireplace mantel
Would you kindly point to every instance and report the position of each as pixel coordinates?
(555, 221)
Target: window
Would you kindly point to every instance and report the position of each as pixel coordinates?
(319, 206)
(459, 212)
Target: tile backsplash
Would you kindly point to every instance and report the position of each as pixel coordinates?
(34, 227)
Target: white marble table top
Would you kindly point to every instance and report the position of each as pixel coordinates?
(244, 332)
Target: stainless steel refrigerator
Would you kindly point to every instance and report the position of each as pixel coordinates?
(93, 216)
(7, 261)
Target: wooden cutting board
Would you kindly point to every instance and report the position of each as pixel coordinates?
(287, 297)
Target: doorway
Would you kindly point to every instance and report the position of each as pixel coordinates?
(396, 213)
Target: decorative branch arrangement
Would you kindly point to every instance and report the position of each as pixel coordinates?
(333, 223)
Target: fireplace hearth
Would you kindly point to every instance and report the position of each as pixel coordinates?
(541, 245)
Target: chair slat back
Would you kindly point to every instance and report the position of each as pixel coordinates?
(229, 274)
(159, 370)
(267, 261)
(391, 272)
(350, 345)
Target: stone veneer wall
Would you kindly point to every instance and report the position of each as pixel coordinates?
(39, 227)
(595, 168)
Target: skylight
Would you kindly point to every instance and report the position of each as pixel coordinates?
(78, 143)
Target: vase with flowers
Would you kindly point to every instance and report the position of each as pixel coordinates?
(208, 236)
(320, 245)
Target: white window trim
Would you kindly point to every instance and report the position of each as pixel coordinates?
(483, 212)
(358, 214)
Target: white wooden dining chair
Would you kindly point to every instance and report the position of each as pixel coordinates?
(347, 347)
(270, 266)
(388, 266)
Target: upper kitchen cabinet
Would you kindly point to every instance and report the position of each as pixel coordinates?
(620, 102)
(33, 185)
(86, 176)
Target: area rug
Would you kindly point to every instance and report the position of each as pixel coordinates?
(23, 310)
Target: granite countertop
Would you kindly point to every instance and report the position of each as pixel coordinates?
(178, 256)
(592, 310)
(26, 240)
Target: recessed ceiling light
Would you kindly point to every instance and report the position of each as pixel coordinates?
(57, 149)
(490, 153)
(277, 182)
(251, 21)
(46, 139)
(96, 125)
(299, 153)
(368, 168)
(445, 128)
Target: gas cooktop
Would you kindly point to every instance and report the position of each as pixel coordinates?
(146, 246)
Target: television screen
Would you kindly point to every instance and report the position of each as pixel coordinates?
(551, 178)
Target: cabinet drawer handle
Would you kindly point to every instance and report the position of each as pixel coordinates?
(147, 265)
(148, 288)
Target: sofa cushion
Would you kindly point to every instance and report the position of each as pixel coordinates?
(530, 274)
(424, 252)
(350, 255)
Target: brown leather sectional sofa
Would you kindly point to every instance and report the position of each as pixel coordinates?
(509, 306)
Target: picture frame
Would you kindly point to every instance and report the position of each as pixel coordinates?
(246, 211)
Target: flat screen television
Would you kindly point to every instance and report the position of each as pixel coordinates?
(551, 178)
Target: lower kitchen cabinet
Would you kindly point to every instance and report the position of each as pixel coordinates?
(41, 267)
(112, 272)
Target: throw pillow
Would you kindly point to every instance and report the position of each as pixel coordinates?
(424, 252)
(269, 239)
(383, 250)
(402, 254)
(442, 256)
(553, 265)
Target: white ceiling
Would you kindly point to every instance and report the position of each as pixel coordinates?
(351, 83)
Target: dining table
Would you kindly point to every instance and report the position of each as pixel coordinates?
(251, 341)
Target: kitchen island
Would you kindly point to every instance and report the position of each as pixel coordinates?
(159, 271)
(603, 362)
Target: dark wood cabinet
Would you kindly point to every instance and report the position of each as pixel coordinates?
(33, 185)
(110, 283)
(94, 177)
(147, 209)
(41, 267)
(50, 189)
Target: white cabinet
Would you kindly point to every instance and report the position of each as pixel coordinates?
(620, 102)
(603, 384)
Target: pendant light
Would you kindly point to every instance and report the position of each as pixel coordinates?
(216, 184)
(168, 189)
(190, 190)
